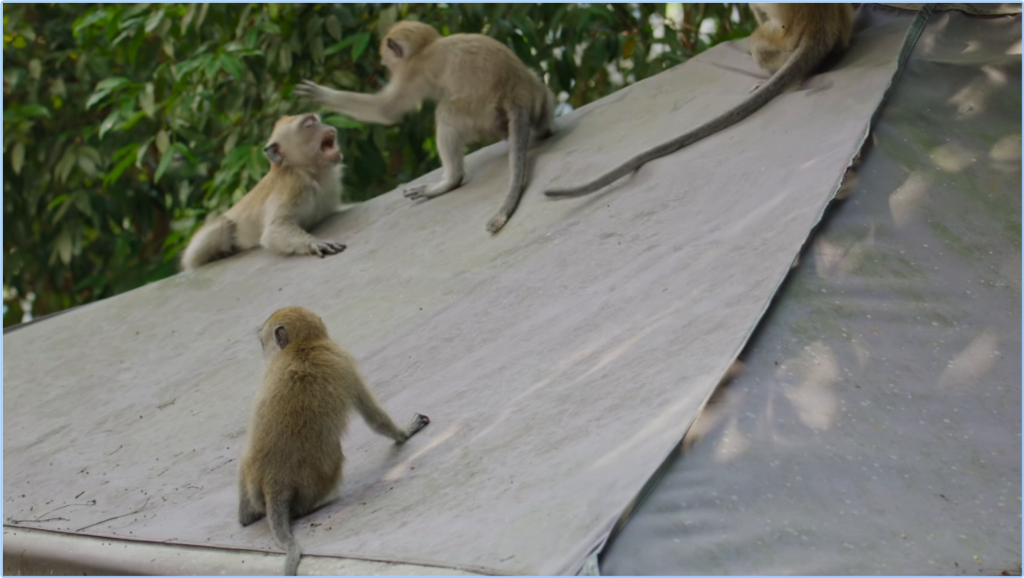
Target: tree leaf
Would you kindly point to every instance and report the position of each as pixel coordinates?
(63, 208)
(18, 158)
(88, 158)
(285, 57)
(119, 168)
(141, 152)
(30, 110)
(109, 122)
(63, 246)
(342, 121)
(132, 120)
(340, 46)
(230, 143)
(154, 20)
(147, 100)
(87, 21)
(316, 48)
(165, 161)
(187, 18)
(333, 26)
(233, 66)
(56, 202)
(202, 15)
(66, 163)
(628, 46)
(359, 45)
(112, 83)
(96, 97)
(163, 141)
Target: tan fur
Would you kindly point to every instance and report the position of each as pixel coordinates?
(302, 188)
(292, 461)
(481, 88)
(792, 39)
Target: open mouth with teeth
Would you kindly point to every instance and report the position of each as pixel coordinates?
(327, 142)
(328, 146)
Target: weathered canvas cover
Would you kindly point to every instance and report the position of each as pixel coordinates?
(560, 361)
(876, 428)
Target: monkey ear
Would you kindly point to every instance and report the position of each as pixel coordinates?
(281, 335)
(273, 152)
(395, 47)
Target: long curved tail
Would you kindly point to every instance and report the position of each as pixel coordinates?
(804, 60)
(279, 516)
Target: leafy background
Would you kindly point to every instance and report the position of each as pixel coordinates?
(125, 125)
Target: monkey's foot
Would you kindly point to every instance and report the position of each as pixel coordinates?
(424, 192)
(249, 517)
(415, 192)
(496, 223)
(323, 248)
(418, 422)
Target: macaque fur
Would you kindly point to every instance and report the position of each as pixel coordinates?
(302, 188)
(792, 40)
(482, 90)
(292, 461)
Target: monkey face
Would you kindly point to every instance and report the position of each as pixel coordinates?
(404, 40)
(302, 141)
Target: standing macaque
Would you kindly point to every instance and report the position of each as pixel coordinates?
(481, 88)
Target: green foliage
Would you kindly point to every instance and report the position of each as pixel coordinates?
(125, 125)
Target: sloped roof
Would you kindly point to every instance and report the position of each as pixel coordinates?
(560, 361)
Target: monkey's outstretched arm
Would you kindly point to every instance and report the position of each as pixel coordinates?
(284, 236)
(385, 107)
(804, 59)
(378, 419)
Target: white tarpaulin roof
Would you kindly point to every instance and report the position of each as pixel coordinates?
(560, 361)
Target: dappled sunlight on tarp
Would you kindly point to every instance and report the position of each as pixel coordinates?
(906, 201)
(813, 398)
(733, 443)
(832, 257)
(402, 467)
(952, 158)
(973, 363)
(1007, 153)
(971, 99)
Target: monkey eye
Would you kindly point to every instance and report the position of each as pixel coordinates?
(309, 122)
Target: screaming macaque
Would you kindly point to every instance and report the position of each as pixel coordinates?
(481, 88)
(792, 39)
(302, 188)
(292, 460)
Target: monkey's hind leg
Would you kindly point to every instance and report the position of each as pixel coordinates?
(214, 240)
(249, 511)
(449, 147)
(518, 140)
